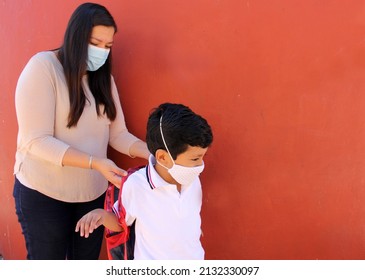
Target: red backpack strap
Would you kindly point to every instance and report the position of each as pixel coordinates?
(119, 244)
(121, 209)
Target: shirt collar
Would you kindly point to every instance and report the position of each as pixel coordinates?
(153, 178)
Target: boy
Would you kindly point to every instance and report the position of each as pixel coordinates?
(165, 197)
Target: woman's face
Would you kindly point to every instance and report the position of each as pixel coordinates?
(102, 36)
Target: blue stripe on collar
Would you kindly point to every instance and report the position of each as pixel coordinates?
(148, 175)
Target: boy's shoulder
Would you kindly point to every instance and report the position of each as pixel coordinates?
(137, 179)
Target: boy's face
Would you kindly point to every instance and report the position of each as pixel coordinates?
(192, 157)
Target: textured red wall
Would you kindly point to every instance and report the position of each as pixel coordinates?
(282, 84)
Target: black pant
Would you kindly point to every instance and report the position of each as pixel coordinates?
(48, 226)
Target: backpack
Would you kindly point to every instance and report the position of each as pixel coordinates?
(119, 245)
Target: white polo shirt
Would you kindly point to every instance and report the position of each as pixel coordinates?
(168, 223)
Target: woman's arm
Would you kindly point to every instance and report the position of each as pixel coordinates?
(139, 149)
(120, 138)
(106, 167)
(35, 103)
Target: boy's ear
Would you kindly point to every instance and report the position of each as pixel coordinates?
(163, 157)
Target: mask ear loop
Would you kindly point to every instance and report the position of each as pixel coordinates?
(163, 139)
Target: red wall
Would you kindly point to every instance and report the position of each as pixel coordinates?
(282, 84)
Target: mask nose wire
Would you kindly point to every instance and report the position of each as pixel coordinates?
(163, 139)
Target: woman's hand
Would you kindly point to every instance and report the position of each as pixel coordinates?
(105, 166)
(109, 170)
(139, 149)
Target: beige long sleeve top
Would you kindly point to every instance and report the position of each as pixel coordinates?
(42, 107)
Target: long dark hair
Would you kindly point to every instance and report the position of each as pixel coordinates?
(73, 55)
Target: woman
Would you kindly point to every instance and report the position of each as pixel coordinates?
(68, 112)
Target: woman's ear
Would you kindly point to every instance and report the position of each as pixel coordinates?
(163, 158)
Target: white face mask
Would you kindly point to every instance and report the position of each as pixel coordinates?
(96, 57)
(184, 175)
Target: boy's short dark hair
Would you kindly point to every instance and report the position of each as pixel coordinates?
(181, 127)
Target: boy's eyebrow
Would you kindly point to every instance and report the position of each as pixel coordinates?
(200, 155)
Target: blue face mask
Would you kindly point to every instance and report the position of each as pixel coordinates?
(96, 57)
